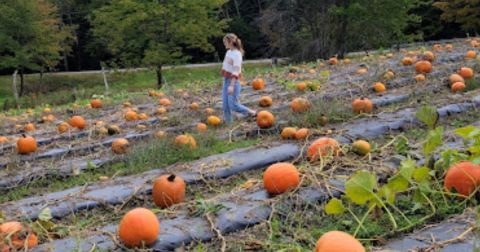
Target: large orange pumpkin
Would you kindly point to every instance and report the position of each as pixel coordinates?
(26, 145)
(300, 105)
(455, 78)
(120, 146)
(336, 241)
(281, 177)
(323, 147)
(214, 120)
(168, 190)
(458, 87)
(265, 119)
(96, 103)
(20, 237)
(77, 122)
(288, 132)
(186, 140)
(362, 105)
(130, 115)
(466, 72)
(165, 102)
(379, 87)
(407, 61)
(265, 101)
(258, 84)
(471, 54)
(3, 140)
(139, 226)
(423, 66)
(464, 177)
(301, 134)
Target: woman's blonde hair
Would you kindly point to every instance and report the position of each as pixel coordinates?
(236, 42)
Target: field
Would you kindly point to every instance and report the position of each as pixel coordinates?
(74, 190)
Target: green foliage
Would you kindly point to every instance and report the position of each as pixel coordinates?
(334, 206)
(428, 115)
(464, 12)
(154, 33)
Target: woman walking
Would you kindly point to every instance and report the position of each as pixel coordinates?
(231, 71)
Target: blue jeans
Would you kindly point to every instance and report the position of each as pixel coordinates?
(230, 102)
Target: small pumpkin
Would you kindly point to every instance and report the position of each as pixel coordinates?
(168, 190)
(301, 86)
(113, 129)
(265, 101)
(323, 147)
(20, 237)
(336, 241)
(455, 78)
(265, 119)
(142, 116)
(127, 104)
(63, 127)
(194, 106)
(361, 147)
(291, 76)
(3, 140)
(379, 87)
(29, 127)
(428, 55)
(437, 47)
(258, 84)
(288, 132)
(186, 141)
(120, 146)
(407, 61)
(458, 87)
(464, 177)
(466, 72)
(300, 105)
(333, 61)
(281, 177)
(26, 145)
(389, 75)
(362, 105)
(165, 102)
(47, 110)
(346, 61)
(201, 127)
(362, 71)
(423, 67)
(160, 134)
(301, 134)
(209, 111)
(471, 55)
(130, 115)
(449, 46)
(139, 226)
(77, 122)
(96, 103)
(161, 110)
(420, 77)
(214, 120)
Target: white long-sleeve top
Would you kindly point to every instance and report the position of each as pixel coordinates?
(233, 62)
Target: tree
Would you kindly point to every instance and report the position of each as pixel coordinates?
(154, 33)
(30, 36)
(464, 12)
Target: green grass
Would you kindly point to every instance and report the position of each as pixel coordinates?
(156, 153)
(58, 89)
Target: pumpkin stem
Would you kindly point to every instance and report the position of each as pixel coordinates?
(23, 135)
(171, 178)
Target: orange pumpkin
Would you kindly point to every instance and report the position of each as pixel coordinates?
(362, 71)
(161, 110)
(165, 102)
(300, 105)
(437, 47)
(213, 120)
(407, 61)
(455, 78)
(291, 76)
(77, 122)
(130, 115)
(323, 147)
(96, 103)
(194, 106)
(346, 61)
(47, 110)
(120, 146)
(423, 66)
(29, 127)
(379, 87)
(168, 190)
(333, 61)
(142, 116)
(471, 55)
(449, 46)
(265, 119)
(258, 84)
(288, 132)
(209, 111)
(464, 177)
(458, 87)
(428, 55)
(420, 77)
(301, 86)
(265, 101)
(466, 72)
(20, 237)
(3, 140)
(201, 127)
(281, 177)
(127, 104)
(362, 105)
(160, 134)
(26, 145)
(63, 127)
(389, 75)
(336, 241)
(139, 226)
(186, 141)
(361, 147)
(301, 134)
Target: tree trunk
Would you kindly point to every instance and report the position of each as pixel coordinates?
(14, 87)
(22, 83)
(158, 71)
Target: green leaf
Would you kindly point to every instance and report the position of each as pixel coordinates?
(421, 174)
(45, 214)
(334, 206)
(400, 181)
(476, 160)
(360, 187)
(388, 194)
(401, 145)
(434, 140)
(428, 115)
(325, 73)
(467, 132)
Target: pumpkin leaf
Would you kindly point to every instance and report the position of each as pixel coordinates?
(400, 181)
(401, 145)
(428, 115)
(468, 132)
(421, 174)
(449, 157)
(360, 187)
(388, 194)
(476, 160)
(334, 206)
(45, 214)
(434, 140)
